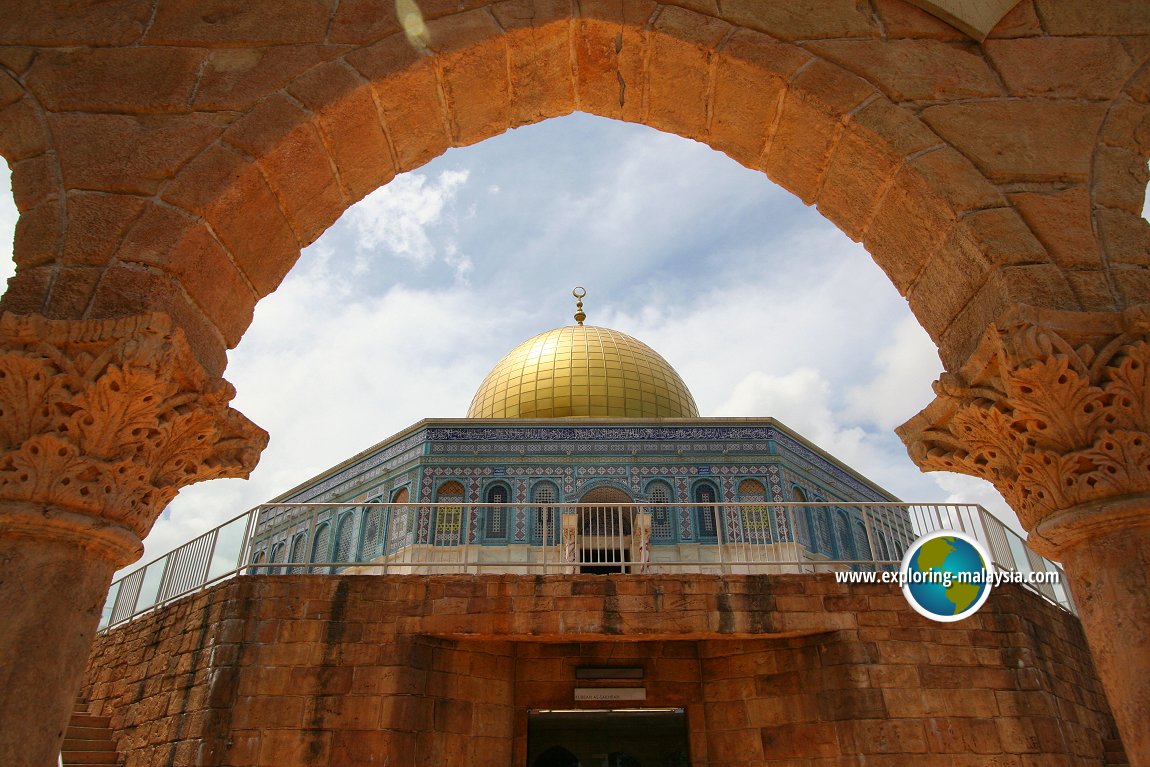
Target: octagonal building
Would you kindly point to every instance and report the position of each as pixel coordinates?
(583, 451)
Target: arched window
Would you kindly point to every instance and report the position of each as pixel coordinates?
(344, 538)
(844, 544)
(883, 548)
(661, 527)
(822, 529)
(496, 525)
(448, 524)
(756, 521)
(257, 558)
(862, 545)
(297, 553)
(369, 531)
(706, 516)
(546, 516)
(399, 524)
(277, 555)
(802, 518)
(321, 546)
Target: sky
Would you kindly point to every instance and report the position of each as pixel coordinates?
(403, 306)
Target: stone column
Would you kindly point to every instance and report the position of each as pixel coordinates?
(1054, 409)
(101, 423)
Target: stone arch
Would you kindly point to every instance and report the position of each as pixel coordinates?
(171, 162)
(1118, 190)
(205, 238)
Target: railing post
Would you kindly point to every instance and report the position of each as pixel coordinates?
(719, 535)
(621, 550)
(465, 534)
(869, 536)
(543, 510)
(211, 552)
(249, 535)
(796, 547)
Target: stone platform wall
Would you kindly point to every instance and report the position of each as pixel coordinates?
(780, 670)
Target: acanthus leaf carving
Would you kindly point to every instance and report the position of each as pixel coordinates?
(1051, 424)
(110, 418)
(1130, 386)
(1053, 403)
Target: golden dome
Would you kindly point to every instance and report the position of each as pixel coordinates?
(583, 371)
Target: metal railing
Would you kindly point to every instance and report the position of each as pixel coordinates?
(714, 538)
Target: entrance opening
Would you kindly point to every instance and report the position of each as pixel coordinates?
(604, 531)
(603, 561)
(608, 738)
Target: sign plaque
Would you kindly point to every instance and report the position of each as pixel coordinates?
(610, 693)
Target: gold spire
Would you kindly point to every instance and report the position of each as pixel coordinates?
(579, 293)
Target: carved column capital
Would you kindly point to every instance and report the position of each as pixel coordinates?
(1057, 416)
(103, 421)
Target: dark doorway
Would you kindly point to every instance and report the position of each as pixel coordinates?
(603, 561)
(618, 738)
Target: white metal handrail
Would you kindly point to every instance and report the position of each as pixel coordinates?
(634, 538)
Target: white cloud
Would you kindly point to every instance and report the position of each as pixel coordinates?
(1146, 202)
(901, 386)
(397, 217)
(801, 400)
(8, 217)
(460, 264)
(959, 488)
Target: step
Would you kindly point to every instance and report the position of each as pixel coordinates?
(89, 720)
(88, 740)
(89, 757)
(86, 733)
(103, 743)
(1115, 753)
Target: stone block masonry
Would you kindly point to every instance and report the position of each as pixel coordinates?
(280, 671)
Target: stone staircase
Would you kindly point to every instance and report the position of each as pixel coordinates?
(1115, 752)
(88, 740)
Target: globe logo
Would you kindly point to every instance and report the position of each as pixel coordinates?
(946, 575)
